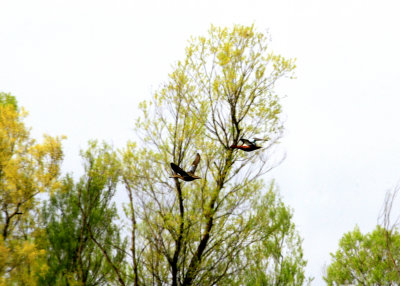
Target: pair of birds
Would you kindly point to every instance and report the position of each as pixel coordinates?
(188, 176)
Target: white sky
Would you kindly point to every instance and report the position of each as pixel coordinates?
(81, 68)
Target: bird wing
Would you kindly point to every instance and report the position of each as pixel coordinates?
(259, 139)
(178, 170)
(194, 164)
(245, 141)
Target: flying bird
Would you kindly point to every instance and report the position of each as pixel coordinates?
(248, 145)
(189, 175)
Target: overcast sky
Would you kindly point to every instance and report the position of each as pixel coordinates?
(81, 67)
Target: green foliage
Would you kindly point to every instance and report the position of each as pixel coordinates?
(199, 232)
(61, 220)
(275, 256)
(80, 217)
(364, 260)
(228, 228)
(27, 168)
(8, 99)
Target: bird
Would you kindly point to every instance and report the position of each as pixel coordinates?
(189, 175)
(248, 145)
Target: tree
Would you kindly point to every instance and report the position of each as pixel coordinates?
(27, 169)
(390, 228)
(276, 256)
(83, 240)
(363, 259)
(209, 231)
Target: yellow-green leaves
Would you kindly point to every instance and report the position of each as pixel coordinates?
(29, 262)
(364, 259)
(27, 168)
(224, 55)
(221, 91)
(234, 71)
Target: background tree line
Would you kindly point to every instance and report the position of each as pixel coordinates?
(228, 228)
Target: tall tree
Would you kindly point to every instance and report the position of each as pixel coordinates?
(27, 169)
(83, 238)
(207, 231)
